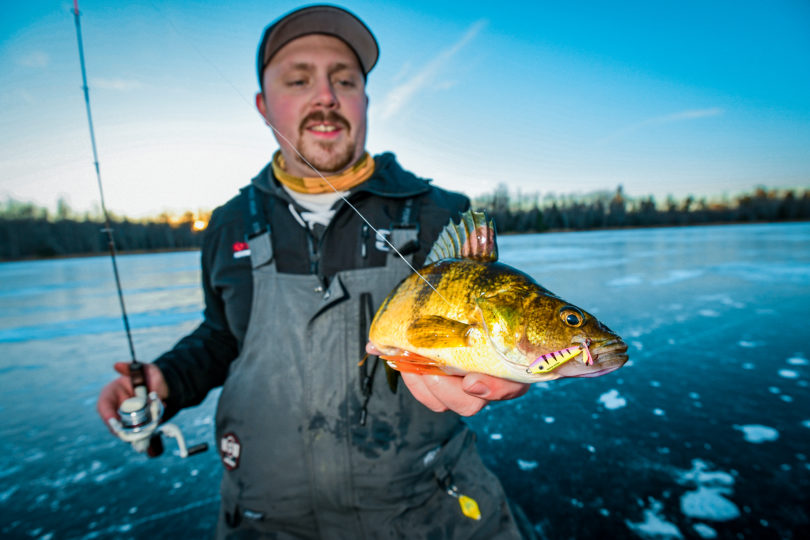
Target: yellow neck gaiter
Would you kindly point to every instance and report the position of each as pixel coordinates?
(357, 174)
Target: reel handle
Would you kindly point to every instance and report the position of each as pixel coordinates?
(197, 449)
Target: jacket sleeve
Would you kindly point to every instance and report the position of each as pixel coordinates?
(199, 362)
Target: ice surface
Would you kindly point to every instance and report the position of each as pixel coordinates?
(706, 347)
(612, 400)
(754, 433)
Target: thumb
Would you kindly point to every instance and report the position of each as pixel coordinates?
(122, 368)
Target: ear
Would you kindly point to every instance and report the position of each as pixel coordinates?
(261, 105)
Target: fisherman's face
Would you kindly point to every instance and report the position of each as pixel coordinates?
(315, 95)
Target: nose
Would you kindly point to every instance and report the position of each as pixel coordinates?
(325, 95)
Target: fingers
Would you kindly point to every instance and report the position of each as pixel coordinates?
(464, 395)
(441, 393)
(371, 349)
(111, 397)
(493, 388)
(120, 389)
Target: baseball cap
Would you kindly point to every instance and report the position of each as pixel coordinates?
(319, 19)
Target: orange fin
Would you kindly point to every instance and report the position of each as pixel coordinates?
(409, 362)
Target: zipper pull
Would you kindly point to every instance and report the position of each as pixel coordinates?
(469, 507)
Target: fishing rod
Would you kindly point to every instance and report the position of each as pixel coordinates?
(140, 415)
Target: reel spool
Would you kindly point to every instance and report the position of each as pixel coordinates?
(140, 426)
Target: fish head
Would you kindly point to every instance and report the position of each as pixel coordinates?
(542, 337)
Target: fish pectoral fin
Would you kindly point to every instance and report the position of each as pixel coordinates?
(409, 362)
(434, 332)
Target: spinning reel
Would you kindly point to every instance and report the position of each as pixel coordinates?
(140, 421)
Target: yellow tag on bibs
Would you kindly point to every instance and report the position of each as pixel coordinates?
(469, 507)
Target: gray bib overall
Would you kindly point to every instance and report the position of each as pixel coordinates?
(306, 454)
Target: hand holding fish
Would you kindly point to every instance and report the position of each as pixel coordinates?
(465, 395)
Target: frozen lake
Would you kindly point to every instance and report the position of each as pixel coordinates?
(704, 434)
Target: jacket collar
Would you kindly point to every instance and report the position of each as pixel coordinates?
(389, 180)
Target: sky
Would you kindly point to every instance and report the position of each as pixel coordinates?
(661, 97)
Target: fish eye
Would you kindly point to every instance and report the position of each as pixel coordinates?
(572, 316)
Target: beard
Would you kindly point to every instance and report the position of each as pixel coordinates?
(326, 156)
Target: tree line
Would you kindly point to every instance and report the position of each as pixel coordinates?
(603, 209)
(28, 230)
(31, 231)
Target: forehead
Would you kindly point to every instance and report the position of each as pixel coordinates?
(314, 50)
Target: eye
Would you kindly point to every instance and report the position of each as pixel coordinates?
(572, 316)
(345, 83)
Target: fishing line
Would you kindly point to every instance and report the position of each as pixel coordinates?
(339, 194)
(316, 171)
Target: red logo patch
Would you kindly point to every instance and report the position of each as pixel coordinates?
(230, 449)
(240, 249)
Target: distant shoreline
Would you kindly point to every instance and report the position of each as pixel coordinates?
(511, 233)
(98, 254)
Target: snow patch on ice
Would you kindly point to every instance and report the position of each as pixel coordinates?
(708, 501)
(548, 419)
(710, 504)
(704, 531)
(654, 525)
(6, 495)
(749, 344)
(748, 365)
(797, 361)
(678, 275)
(612, 400)
(788, 373)
(659, 412)
(625, 281)
(709, 313)
(496, 436)
(755, 433)
(806, 423)
(526, 465)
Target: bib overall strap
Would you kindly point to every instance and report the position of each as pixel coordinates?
(405, 230)
(257, 228)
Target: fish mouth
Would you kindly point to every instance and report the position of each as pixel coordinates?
(607, 356)
(609, 351)
(583, 359)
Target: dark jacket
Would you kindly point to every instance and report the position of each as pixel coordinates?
(199, 362)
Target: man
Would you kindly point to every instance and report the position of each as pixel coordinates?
(314, 446)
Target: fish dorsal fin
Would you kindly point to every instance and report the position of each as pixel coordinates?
(473, 237)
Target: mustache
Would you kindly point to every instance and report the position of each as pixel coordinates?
(319, 116)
